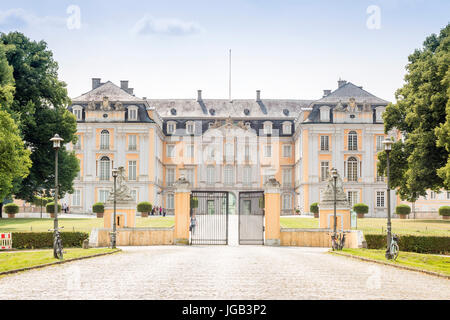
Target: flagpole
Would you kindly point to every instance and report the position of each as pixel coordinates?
(229, 84)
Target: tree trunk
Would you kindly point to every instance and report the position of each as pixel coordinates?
(1, 210)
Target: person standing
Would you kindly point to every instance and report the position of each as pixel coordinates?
(193, 223)
(164, 212)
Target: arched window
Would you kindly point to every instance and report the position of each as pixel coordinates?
(352, 169)
(352, 140)
(229, 175)
(104, 140)
(105, 168)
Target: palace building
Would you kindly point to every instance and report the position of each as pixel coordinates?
(233, 146)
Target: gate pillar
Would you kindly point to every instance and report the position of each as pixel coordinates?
(182, 210)
(272, 207)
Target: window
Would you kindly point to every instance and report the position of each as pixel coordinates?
(352, 169)
(247, 176)
(170, 150)
(105, 168)
(190, 128)
(78, 112)
(353, 198)
(170, 176)
(103, 195)
(287, 150)
(379, 114)
(210, 175)
(324, 143)
(132, 142)
(171, 127)
(76, 198)
(229, 151)
(189, 150)
(448, 195)
(287, 201)
(324, 170)
(190, 176)
(77, 145)
(267, 151)
(132, 170)
(379, 178)
(380, 199)
(104, 140)
(352, 141)
(247, 152)
(267, 127)
(287, 128)
(325, 114)
(132, 113)
(229, 175)
(432, 195)
(380, 143)
(287, 177)
(170, 201)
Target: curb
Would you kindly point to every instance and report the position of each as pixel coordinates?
(56, 262)
(436, 274)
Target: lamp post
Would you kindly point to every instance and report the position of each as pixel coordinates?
(334, 174)
(115, 173)
(388, 147)
(56, 145)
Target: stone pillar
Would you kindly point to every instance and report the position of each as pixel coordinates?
(182, 209)
(272, 207)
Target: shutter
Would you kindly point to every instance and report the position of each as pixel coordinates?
(96, 168)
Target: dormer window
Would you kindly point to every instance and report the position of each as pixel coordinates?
(171, 127)
(324, 114)
(78, 112)
(287, 128)
(379, 114)
(267, 127)
(190, 127)
(132, 113)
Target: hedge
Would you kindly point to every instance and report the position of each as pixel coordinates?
(420, 244)
(444, 211)
(11, 208)
(194, 202)
(50, 207)
(402, 209)
(361, 208)
(314, 207)
(98, 207)
(144, 207)
(41, 240)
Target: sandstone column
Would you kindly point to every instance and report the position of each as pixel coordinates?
(182, 210)
(272, 205)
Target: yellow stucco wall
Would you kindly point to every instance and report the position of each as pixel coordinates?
(314, 238)
(272, 203)
(137, 237)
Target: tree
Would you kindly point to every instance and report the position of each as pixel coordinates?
(39, 106)
(422, 115)
(14, 158)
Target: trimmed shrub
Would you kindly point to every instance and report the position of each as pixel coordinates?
(402, 209)
(314, 207)
(361, 208)
(420, 244)
(11, 208)
(262, 202)
(50, 207)
(98, 207)
(194, 202)
(42, 240)
(144, 207)
(41, 201)
(444, 211)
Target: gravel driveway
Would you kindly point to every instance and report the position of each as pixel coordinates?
(222, 272)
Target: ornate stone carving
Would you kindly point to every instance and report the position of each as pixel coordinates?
(182, 184)
(242, 125)
(119, 106)
(216, 124)
(123, 193)
(339, 106)
(366, 106)
(352, 105)
(105, 104)
(91, 106)
(327, 195)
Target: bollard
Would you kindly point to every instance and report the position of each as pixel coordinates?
(86, 244)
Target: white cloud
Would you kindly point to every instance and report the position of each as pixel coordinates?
(19, 18)
(175, 27)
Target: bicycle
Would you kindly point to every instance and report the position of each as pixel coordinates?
(393, 251)
(57, 244)
(337, 242)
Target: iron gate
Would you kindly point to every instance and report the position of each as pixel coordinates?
(251, 217)
(210, 212)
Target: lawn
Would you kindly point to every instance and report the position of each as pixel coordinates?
(75, 224)
(16, 259)
(430, 262)
(378, 225)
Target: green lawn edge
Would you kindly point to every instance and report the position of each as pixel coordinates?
(426, 263)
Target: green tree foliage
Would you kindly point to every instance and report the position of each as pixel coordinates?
(361, 208)
(314, 207)
(422, 114)
(144, 207)
(98, 207)
(39, 106)
(14, 158)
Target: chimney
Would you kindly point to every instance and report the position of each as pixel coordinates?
(199, 95)
(124, 84)
(341, 83)
(326, 93)
(258, 95)
(96, 82)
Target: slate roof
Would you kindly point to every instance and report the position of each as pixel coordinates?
(349, 90)
(223, 108)
(109, 89)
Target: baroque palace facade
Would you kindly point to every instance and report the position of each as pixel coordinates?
(226, 145)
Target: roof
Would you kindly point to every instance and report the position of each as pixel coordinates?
(223, 108)
(108, 89)
(349, 90)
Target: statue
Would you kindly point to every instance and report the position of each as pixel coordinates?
(119, 106)
(339, 106)
(352, 105)
(123, 193)
(327, 196)
(105, 104)
(91, 106)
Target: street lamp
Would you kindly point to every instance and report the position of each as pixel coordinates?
(334, 174)
(115, 173)
(388, 147)
(56, 145)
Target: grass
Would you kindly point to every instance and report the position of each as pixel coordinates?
(378, 225)
(75, 224)
(17, 260)
(429, 262)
